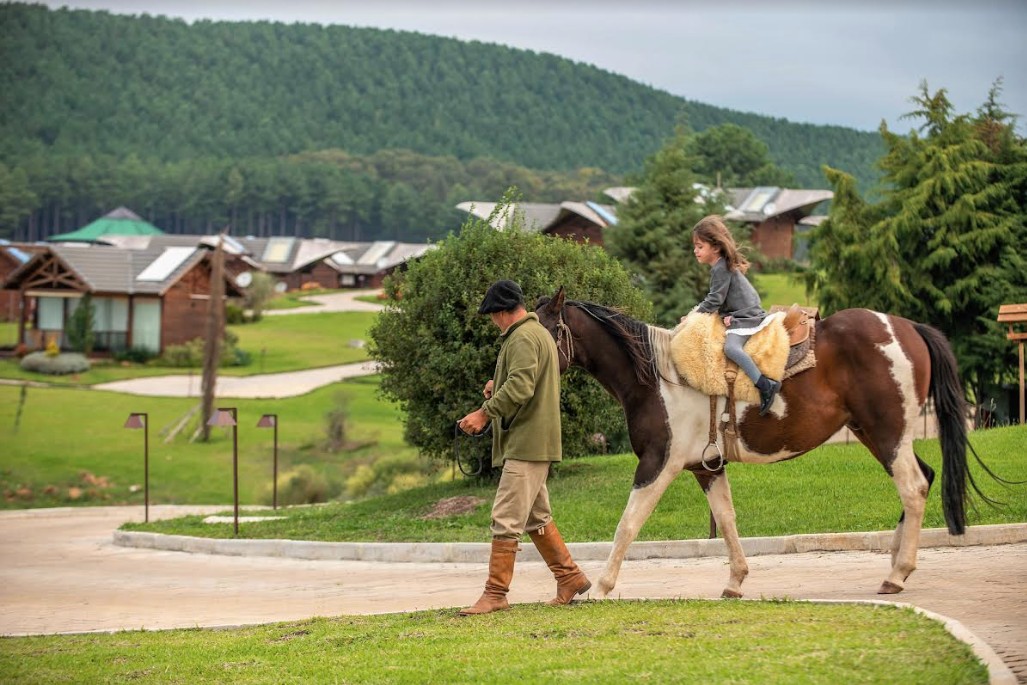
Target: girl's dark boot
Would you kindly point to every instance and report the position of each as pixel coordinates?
(768, 391)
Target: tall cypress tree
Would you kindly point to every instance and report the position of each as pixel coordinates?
(945, 244)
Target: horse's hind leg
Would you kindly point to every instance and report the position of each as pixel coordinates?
(912, 485)
(718, 493)
(897, 538)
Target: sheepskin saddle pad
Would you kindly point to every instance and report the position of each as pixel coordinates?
(697, 348)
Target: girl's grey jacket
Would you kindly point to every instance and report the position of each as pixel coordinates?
(731, 294)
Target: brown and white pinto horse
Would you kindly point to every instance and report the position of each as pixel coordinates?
(874, 373)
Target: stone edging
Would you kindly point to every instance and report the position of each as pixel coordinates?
(478, 552)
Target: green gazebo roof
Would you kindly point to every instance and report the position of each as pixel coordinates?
(119, 222)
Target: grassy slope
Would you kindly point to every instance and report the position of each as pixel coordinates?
(56, 441)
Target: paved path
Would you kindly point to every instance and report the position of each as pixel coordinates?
(343, 301)
(287, 384)
(62, 573)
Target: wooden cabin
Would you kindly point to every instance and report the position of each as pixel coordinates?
(142, 299)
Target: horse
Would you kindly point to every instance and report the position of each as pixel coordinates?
(873, 374)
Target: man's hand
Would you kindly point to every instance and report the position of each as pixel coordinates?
(487, 392)
(475, 422)
(727, 320)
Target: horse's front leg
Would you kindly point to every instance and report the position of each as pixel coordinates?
(641, 504)
(718, 494)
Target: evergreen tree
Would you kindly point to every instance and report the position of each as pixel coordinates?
(730, 155)
(945, 244)
(653, 237)
(80, 326)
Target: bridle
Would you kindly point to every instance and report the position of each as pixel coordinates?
(563, 332)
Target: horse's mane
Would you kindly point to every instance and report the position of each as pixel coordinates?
(644, 344)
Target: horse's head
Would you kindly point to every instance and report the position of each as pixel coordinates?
(550, 311)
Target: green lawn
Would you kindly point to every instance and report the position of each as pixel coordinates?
(834, 488)
(668, 641)
(782, 288)
(8, 334)
(303, 341)
(276, 344)
(64, 432)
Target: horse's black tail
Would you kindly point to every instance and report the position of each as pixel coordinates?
(950, 406)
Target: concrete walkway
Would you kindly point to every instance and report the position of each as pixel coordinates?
(344, 301)
(272, 385)
(62, 573)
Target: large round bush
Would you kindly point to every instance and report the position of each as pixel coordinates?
(436, 352)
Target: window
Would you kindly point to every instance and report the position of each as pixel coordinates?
(51, 313)
(146, 325)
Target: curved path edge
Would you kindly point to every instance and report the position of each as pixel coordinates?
(998, 672)
(478, 552)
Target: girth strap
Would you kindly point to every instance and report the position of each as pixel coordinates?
(728, 428)
(728, 423)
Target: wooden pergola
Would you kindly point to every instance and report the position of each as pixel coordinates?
(1011, 314)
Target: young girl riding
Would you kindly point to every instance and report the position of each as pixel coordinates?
(732, 297)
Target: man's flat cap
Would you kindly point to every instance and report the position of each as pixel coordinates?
(502, 296)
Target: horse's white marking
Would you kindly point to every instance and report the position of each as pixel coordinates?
(906, 474)
(901, 372)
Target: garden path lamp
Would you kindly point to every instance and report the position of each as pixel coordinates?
(142, 420)
(271, 421)
(226, 416)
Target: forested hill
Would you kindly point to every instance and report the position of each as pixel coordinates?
(92, 83)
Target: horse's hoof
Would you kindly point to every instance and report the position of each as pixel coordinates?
(889, 588)
(728, 593)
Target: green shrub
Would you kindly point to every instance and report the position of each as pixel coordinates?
(304, 485)
(234, 314)
(55, 365)
(436, 352)
(80, 326)
(386, 475)
(190, 354)
(135, 355)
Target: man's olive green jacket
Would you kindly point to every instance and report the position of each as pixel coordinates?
(525, 402)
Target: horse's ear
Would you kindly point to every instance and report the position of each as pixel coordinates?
(556, 304)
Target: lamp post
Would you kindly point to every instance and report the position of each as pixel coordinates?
(271, 421)
(142, 420)
(227, 417)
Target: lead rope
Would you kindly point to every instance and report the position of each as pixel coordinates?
(479, 461)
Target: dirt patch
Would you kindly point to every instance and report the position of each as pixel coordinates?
(453, 506)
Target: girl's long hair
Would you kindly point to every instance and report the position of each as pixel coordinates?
(711, 229)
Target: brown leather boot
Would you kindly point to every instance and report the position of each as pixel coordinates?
(501, 565)
(570, 580)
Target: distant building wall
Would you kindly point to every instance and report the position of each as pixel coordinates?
(579, 230)
(774, 237)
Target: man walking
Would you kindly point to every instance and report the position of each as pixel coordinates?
(523, 403)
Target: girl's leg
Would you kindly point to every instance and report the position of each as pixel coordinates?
(734, 348)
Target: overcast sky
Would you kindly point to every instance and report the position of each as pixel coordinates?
(850, 63)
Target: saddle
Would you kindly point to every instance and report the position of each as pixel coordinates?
(783, 348)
